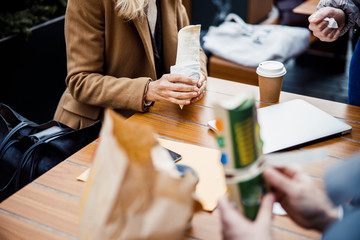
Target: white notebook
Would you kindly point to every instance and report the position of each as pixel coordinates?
(294, 123)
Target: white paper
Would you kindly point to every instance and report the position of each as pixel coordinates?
(276, 160)
(189, 69)
(332, 23)
(278, 210)
(289, 158)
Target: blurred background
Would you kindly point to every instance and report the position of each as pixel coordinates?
(33, 56)
(320, 71)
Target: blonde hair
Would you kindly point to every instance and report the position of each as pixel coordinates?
(131, 9)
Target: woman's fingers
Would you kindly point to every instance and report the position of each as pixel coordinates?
(177, 89)
(177, 78)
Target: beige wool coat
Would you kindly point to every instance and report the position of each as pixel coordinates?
(110, 60)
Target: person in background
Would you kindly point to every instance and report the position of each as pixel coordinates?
(335, 213)
(347, 15)
(118, 55)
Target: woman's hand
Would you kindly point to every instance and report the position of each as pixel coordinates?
(202, 86)
(319, 26)
(173, 88)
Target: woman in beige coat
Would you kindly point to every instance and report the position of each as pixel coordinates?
(114, 57)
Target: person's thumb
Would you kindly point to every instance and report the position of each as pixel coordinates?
(228, 213)
(265, 212)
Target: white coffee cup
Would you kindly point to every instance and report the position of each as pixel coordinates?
(270, 76)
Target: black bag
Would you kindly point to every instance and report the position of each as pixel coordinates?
(28, 149)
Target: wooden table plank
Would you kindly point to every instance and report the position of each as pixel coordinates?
(205, 226)
(84, 156)
(12, 227)
(46, 207)
(191, 113)
(337, 147)
(355, 132)
(167, 127)
(280, 221)
(280, 234)
(318, 169)
(68, 173)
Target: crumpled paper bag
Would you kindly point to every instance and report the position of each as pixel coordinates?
(134, 190)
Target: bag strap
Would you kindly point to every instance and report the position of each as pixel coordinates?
(41, 129)
(246, 28)
(6, 147)
(11, 116)
(4, 128)
(27, 154)
(12, 142)
(13, 131)
(14, 121)
(234, 17)
(25, 157)
(69, 143)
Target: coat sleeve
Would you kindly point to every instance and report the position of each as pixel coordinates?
(351, 9)
(347, 228)
(342, 181)
(342, 185)
(87, 80)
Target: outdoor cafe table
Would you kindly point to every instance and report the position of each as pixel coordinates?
(48, 207)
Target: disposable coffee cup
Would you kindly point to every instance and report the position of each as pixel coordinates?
(270, 76)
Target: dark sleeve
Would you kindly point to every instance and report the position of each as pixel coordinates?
(351, 9)
(342, 181)
(348, 228)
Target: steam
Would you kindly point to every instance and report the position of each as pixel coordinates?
(224, 7)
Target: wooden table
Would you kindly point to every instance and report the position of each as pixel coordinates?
(48, 207)
(307, 8)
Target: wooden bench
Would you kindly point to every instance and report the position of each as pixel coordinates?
(224, 69)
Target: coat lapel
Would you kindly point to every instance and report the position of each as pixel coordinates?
(142, 27)
(169, 32)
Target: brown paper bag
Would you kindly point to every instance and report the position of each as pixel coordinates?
(134, 190)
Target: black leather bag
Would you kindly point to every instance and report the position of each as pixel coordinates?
(28, 149)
